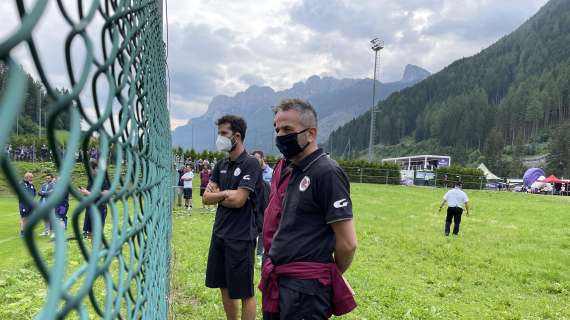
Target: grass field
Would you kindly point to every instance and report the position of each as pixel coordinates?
(511, 260)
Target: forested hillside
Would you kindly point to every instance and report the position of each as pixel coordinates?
(36, 96)
(514, 93)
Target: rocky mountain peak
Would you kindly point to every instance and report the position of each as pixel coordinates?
(414, 73)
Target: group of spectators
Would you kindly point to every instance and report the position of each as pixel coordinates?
(45, 190)
(60, 212)
(28, 153)
(185, 168)
(31, 153)
(557, 189)
(300, 213)
(180, 161)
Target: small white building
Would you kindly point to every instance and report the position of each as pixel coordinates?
(420, 162)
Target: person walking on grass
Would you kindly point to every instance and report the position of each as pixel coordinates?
(315, 240)
(27, 186)
(456, 199)
(187, 178)
(232, 186)
(45, 190)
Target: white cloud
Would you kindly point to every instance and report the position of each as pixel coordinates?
(182, 110)
(222, 47)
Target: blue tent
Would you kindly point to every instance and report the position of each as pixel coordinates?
(531, 175)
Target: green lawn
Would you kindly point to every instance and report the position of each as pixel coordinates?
(510, 262)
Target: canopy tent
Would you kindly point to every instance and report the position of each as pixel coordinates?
(531, 175)
(488, 174)
(553, 179)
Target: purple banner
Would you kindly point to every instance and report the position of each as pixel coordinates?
(443, 163)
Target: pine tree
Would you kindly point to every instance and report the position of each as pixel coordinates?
(559, 156)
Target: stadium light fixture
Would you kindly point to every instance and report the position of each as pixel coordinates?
(377, 45)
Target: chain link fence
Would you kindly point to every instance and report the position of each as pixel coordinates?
(414, 177)
(117, 98)
(373, 175)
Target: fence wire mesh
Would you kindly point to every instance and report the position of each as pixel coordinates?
(124, 271)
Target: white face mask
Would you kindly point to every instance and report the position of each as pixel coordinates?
(223, 143)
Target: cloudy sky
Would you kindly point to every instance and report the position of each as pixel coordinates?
(222, 46)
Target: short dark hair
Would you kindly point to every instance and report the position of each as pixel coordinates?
(237, 124)
(260, 153)
(49, 174)
(307, 113)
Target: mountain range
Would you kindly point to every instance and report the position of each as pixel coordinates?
(337, 101)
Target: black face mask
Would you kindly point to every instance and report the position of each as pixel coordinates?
(288, 144)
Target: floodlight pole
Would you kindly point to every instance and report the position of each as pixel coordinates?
(377, 45)
(39, 113)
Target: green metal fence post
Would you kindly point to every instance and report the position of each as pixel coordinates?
(129, 256)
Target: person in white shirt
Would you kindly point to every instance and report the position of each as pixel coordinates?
(187, 178)
(456, 199)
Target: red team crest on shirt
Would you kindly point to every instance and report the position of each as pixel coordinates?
(305, 183)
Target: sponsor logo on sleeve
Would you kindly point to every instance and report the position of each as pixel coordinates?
(340, 203)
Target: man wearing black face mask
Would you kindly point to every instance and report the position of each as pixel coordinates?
(315, 239)
(232, 184)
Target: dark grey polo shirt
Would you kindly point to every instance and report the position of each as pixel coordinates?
(236, 223)
(318, 194)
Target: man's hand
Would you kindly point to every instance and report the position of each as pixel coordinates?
(84, 191)
(442, 204)
(345, 243)
(235, 198)
(212, 187)
(212, 195)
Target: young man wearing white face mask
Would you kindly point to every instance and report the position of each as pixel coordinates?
(232, 184)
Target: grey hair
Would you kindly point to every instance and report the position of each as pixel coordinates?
(307, 113)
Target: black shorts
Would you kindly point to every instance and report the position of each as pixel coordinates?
(202, 192)
(187, 193)
(230, 265)
(302, 299)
